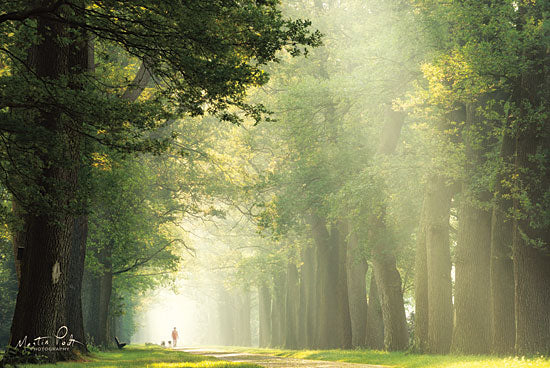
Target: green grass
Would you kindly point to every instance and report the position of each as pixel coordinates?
(146, 357)
(405, 360)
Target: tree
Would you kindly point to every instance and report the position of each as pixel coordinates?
(56, 103)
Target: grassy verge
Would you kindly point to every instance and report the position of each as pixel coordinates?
(405, 360)
(146, 357)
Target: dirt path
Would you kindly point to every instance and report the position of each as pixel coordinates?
(274, 361)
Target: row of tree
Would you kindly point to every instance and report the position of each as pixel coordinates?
(68, 108)
(414, 142)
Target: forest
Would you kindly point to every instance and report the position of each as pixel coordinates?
(324, 174)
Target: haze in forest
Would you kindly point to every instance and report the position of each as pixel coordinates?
(310, 175)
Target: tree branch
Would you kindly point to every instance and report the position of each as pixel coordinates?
(142, 261)
(140, 82)
(26, 14)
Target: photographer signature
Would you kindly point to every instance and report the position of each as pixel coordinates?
(59, 339)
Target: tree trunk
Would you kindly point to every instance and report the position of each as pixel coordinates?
(92, 321)
(343, 314)
(291, 304)
(278, 312)
(106, 288)
(328, 329)
(503, 324)
(440, 303)
(396, 336)
(388, 282)
(40, 306)
(357, 268)
(531, 238)
(264, 316)
(308, 309)
(421, 286)
(75, 321)
(243, 335)
(532, 274)
(226, 314)
(472, 333)
(375, 323)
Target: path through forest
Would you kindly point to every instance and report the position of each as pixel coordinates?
(270, 361)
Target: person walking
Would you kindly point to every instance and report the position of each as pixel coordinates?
(175, 336)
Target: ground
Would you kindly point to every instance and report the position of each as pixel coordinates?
(374, 358)
(270, 361)
(229, 357)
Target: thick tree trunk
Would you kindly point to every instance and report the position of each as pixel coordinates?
(226, 314)
(51, 267)
(18, 239)
(278, 311)
(40, 305)
(308, 309)
(92, 321)
(396, 336)
(243, 335)
(291, 307)
(81, 55)
(264, 315)
(106, 288)
(440, 304)
(472, 333)
(388, 281)
(375, 322)
(41, 301)
(75, 321)
(328, 329)
(357, 268)
(503, 324)
(343, 314)
(502, 285)
(421, 286)
(531, 238)
(532, 277)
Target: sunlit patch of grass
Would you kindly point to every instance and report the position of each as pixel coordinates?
(146, 357)
(205, 364)
(404, 359)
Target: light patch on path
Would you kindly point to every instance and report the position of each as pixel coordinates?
(270, 361)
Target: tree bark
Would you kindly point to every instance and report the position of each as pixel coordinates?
(531, 237)
(243, 335)
(291, 307)
(308, 309)
(328, 329)
(375, 323)
(41, 301)
(105, 291)
(75, 320)
(264, 315)
(343, 314)
(388, 282)
(472, 333)
(440, 304)
(532, 275)
(92, 307)
(421, 286)
(502, 267)
(357, 268)
(278, 311)
(396, 336)
(226, 314)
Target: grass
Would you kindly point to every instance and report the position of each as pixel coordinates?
(146, 357)
(405, 360)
